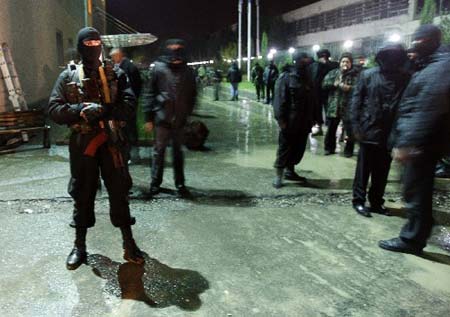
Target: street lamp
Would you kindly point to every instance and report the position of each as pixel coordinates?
(270, 56)
(316, 48)
(273, 51)
(395, 37)
(348, 44)
(291, 50)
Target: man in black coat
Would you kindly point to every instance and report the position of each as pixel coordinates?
(294, 114)
(319, 70)
(234, 76)
(372, 113)
(96, 146)
(258, 81)
(270, 77)
(168, 102)
(422, 136)
(119, 58)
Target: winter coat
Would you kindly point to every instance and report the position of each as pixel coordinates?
(423, 120)
(133, 75)
(258, 75)
(62, 111)
(270, 75)
(170, 96)
(374, 104)
(318, 73)
(234, 75)
(292, 104)
(338, 99)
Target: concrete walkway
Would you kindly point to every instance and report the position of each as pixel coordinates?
(239, 248)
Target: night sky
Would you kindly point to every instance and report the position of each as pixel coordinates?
(188, 18)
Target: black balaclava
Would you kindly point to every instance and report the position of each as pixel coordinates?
(176, 54)
(323, 53)
(391, 58)
(300, 59)
(426, 40)
(90, 55)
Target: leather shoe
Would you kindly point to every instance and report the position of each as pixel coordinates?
(362, 210)
(277, 182)
(380, 210)
(293, 176)
(76, 257)
(183, 192)
(399, 245)
(154, 190)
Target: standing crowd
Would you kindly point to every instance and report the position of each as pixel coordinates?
(399, 109)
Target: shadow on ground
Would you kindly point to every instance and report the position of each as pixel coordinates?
(153, 283)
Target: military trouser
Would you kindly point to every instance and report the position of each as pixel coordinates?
(418, 182)
(85, 172)
(164, 136)
(291, 147)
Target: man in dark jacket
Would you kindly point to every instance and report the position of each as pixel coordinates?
(258, 81)
(422, 136)
(234, 76)
(96, 144)
(270, 77)
(168, 103)
(119, 58)
(372, 113)
(319, 70)
(294, 114)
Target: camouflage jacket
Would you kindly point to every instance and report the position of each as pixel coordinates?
(338, 100)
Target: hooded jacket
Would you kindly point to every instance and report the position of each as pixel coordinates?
(376, 96)
(423, 120)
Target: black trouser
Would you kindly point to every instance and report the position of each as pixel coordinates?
(131, 133)
(216, 91)
(373, 161)
(83, 185)
(318, 113)
(330, 137)
(270, 89)
(418, 181)
(291, 147)
(259, 90)
(164, 136)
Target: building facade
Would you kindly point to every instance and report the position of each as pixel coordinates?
(39, 34)
(364, 24)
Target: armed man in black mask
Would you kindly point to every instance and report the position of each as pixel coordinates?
(94, 101)
(294, 112)
(168, 103)
(422, 136)
(372, 113)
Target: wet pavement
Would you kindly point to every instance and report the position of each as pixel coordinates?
(238, 248)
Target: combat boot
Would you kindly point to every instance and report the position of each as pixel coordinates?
(291, 175)
(131, 252)
(278, 181)
(78, 255)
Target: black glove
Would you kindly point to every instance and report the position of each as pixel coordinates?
(92, 112)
